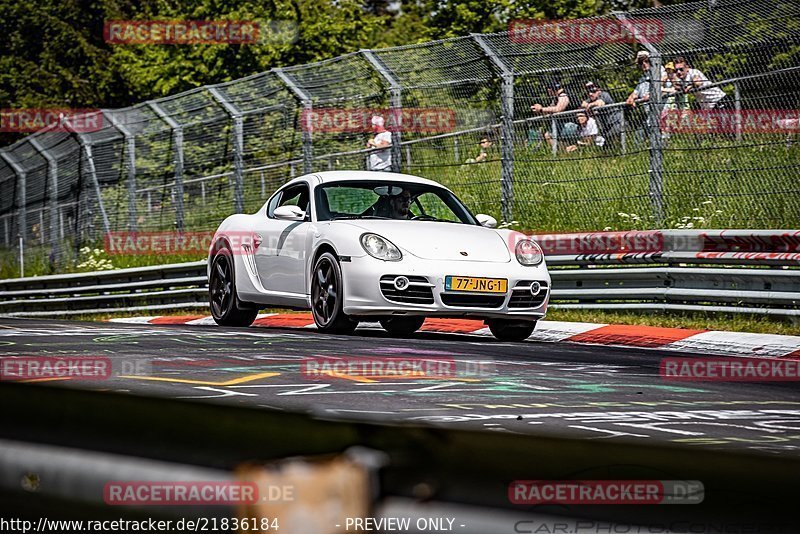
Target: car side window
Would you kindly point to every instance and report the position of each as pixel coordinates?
(273, 203)
(297, 195)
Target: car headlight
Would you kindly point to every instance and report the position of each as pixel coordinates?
(380, 247)
(529, 252)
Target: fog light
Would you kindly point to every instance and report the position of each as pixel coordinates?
(401, 283)
(536, 287)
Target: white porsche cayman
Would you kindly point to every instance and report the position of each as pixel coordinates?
(375, 246)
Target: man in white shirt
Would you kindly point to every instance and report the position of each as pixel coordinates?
(380, 160)
(695, 82)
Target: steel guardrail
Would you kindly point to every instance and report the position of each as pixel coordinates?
(736, 271)
(108, 431)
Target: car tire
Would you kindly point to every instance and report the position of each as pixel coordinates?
(508, 330)
(327, 296)
(226, 308)
(402, 326)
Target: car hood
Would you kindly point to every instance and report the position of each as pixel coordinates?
(440, 241)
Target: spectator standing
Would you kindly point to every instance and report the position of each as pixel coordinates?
(695, 82)
(641, 93)
(380, 159)
(669, 89)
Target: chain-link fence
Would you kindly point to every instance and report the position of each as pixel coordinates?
(686, 119)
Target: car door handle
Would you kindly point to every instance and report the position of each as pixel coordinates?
(257, 240)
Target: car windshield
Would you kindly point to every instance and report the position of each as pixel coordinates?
(376, 199)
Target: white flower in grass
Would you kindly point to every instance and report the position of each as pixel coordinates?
(707, 202)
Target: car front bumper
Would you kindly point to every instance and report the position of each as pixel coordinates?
(365, 295)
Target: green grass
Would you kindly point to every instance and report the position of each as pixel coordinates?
(734, 322)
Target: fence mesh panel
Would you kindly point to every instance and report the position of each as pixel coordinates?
(697, 129)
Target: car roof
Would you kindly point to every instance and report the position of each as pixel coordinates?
(339, 176)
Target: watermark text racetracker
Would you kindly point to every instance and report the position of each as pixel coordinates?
(599, 31)
(183, 32)
(27, 120)
(195, 524)
(642, 492)
(25, 368)
(730, 121)
(393, 367)
(593, 243)
(360, 120)
(181, 243)
(730, 369)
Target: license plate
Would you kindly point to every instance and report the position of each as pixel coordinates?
(475, 285)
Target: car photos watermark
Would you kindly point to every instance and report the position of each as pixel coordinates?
(192, 32)
(592, 31)
(624, 492)
(363, 120)
(27, 120)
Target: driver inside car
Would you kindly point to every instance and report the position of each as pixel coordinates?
(394, 206)
(399, 205)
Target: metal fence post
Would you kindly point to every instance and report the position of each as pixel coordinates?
(656, 142)
(395, 103)
(738, 107)
(22, 212)
(305, 100)
(130, 151)
(177, 141)
(654, 107)
(238, 148)
(86, 145)
(52, 179)
(506, 128)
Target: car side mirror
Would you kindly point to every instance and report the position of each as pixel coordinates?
(486, 220)
(289, 213)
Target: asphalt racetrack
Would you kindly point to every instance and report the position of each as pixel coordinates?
(585, 391)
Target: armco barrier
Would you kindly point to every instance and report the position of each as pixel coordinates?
(745, 271)
(428, 465)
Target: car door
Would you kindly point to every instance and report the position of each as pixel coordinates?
(281, 254)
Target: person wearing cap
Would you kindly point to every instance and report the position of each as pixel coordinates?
(669, 87)
(559, 103)
(394, 204)
(380, 160)
(610, 119)
(642, 91)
